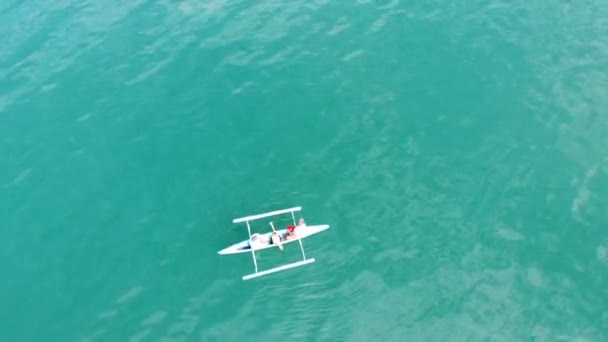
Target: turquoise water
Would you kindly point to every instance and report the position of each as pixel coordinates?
(458, 151)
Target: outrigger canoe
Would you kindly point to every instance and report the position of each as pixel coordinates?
(263, 241)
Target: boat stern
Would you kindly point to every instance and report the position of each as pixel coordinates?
(241, 247)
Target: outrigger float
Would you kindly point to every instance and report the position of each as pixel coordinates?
(276, 238)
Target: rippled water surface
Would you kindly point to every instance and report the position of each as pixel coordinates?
(458, 151)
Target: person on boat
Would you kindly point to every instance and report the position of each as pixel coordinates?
(256, 241)
(275, 238)
(291, 232)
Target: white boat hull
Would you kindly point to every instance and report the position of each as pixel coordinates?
(301, 233)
